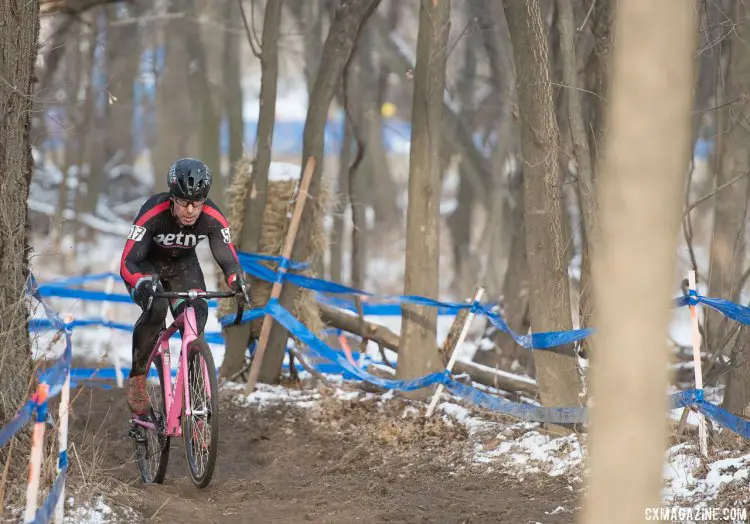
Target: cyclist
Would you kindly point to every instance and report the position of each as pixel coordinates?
(163, 239)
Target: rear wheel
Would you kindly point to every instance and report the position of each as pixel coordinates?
(201, 427)
(152, 447)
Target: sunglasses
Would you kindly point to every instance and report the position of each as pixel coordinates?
(185, 203)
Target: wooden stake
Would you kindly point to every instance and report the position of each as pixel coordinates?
(698, 367)
(291, 235)
(464, 330)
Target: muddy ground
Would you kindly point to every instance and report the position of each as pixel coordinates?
(345, 462)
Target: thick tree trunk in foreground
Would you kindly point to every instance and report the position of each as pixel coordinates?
(19, 33)
(640, 200)
(350, 15)
(238, 336)
(418, 355)
(546, 242)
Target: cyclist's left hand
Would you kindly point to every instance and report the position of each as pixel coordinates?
(240, 286)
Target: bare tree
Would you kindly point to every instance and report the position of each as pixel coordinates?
(205, 103)
(123, 52)
(349, 17)
(579, 138)
(546, 242)
(252, 220)
(19, 33)
(232, 72)
(640, 200)
(593, 104)
(730, 216)
(417, 354)
(175, 121)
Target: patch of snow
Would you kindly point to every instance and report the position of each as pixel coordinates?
(683, 463)
(98, 513)
(461, 414)
(267, 395)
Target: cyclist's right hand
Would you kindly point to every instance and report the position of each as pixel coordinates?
(145, 289)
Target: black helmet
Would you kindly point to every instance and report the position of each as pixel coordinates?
(189, 179)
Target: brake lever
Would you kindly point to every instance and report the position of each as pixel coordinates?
(154, 281)
(240, 307)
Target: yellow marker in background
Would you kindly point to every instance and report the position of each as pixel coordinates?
(388, 109)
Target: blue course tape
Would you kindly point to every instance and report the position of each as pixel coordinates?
(17, 422)
(572, 415)
(47, 510)
(339, 364)
(49, 290)
(41, 324)
(319, 349)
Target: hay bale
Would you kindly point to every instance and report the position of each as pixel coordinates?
(282, 184)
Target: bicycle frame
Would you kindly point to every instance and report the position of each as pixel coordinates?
(178, 396)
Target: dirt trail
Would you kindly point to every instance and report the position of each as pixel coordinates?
(284, 465)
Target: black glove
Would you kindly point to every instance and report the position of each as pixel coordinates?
(240, 285)
(145, 289)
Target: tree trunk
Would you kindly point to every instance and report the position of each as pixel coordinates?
(598, 75)
(19, 33)
(460, 220)
(87, 200)
(349, 17)
(205, 104)
(337, 241)
(77, 69)
(233, 103)
(594, 103)
(455, 137)
(546, 245)
(176, 123)
(504, 220)
(123, 52)
(728, 246)
(383, 197)
(418, 355)
(579, 138)
(237, 337)
(640, 199)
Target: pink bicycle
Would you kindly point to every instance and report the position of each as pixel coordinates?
(190, 409)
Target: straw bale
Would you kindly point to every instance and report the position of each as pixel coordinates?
(276, 219)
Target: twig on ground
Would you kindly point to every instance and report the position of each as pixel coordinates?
(160, 507)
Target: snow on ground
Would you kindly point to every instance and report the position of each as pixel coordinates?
(98, 513)
(521, 449)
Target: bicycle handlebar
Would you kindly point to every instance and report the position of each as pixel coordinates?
(194, 294)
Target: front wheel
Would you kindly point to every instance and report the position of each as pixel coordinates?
(152, 447)
(201, 427)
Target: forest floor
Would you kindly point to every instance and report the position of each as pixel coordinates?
(331, 457)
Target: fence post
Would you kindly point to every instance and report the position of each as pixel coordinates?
(62, 436)
(464, 330)
(286, 253)
(697, 364)
(37, 448)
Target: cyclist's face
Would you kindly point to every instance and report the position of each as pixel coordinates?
(187, 211)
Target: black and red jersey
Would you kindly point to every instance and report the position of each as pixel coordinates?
(157, 239)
